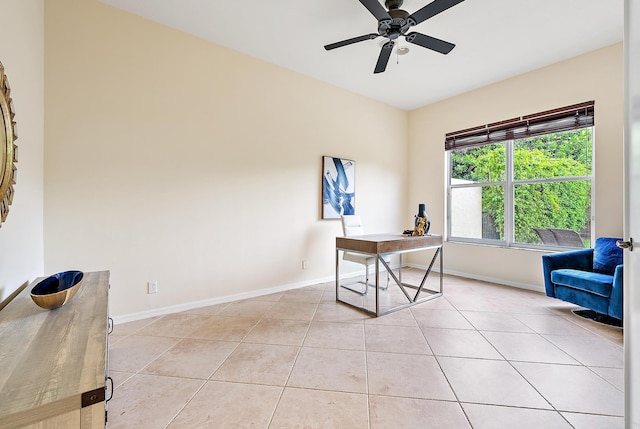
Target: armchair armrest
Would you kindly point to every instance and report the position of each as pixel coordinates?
(575, 259)
(615, 301)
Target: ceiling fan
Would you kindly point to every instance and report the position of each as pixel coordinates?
(395, 23)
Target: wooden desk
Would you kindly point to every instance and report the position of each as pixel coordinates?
(380, 245)
(53, 362)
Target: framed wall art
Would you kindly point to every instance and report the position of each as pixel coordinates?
(338, 187)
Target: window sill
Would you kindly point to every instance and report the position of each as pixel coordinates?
(540, 249)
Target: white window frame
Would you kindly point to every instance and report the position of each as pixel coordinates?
(509, 191)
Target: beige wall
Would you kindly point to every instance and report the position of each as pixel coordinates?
(169, 158)
(593, 76)
(173, 159)
(22, 54)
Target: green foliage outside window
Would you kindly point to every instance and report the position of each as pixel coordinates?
(536, 205)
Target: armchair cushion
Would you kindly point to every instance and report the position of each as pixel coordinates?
(606, 255)
(599, 284)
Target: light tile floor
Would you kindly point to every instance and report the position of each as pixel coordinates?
(481, 356)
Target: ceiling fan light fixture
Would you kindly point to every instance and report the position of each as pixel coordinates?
(400, 50)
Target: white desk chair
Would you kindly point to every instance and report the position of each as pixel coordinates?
(352, 225)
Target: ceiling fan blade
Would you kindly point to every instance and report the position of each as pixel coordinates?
(350, 41)
(383, 59)
(430, 10)
(430, 42)
(376, 9)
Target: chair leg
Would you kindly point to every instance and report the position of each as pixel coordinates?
(388, 277)
(365, 283)
(387, 286)
(360, 292)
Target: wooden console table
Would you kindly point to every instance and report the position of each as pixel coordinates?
(381, 245)
(53, 363)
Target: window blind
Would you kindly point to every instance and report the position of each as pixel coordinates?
(551, 121)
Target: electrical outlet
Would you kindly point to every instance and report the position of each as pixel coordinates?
(304, 264)
(152, 287)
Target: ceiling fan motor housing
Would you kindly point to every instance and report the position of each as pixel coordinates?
(397, 26)
(393, 4)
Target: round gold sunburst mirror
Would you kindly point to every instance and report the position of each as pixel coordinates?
(8, 149)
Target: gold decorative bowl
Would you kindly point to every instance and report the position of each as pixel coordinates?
(56, 290)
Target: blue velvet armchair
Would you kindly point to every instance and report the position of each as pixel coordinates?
(590, 278)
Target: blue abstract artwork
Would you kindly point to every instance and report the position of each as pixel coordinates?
(338, 187)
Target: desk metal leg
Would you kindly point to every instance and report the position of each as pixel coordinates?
(441, 268)
(378, 286)
(337, 275)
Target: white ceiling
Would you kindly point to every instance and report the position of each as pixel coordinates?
(495, 39)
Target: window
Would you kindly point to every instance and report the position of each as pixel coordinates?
(525, 182)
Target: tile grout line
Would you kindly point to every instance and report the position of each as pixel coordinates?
(366, 374)
(515, 369)
(275, 408)
(204, 383)
(455, 394)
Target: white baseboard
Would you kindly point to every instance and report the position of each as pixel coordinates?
(495, 280)
(161, 311)
(254, 294)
